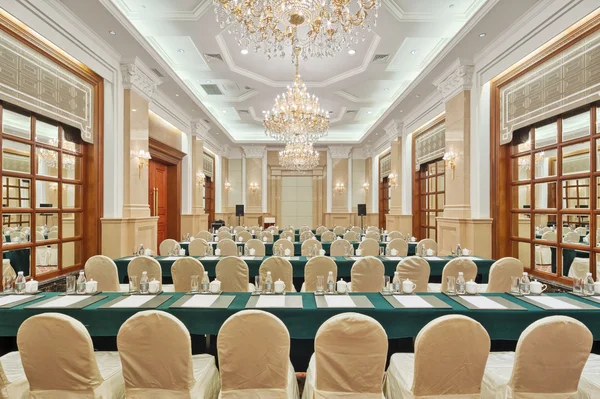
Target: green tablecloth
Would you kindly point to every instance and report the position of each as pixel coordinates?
(19, 259)
(304, 323)
(344, 265)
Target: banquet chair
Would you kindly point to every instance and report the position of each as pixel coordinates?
(417, 270)
(281, 269)
(328, 236)
(395, 234)
(254, 357)
(198, 247)
(373, 228)
(545, 230)
(374, 235)
(285, 234)
(357, 230)
(306, 235)
(223, 228)
(255, 228)
(289, 227)
(304, 228)
(257, 245)
(501, 273)
(543, 254)
(59, 360)
(166, 247)
(321, 230)
(452, 268)
(243, 236)
(369, 247)
(571, 237)
(448, 361)
(39, 236)
(233, 274)
(341, 248)
(17, 236)
(273, 230)
(13, 383)
(349, 359)
(7, 269)
(426, 243)
(547, 363)
(318, 266)
(351, 236)
(237, 229)
(52, 235)
(156, 353)
(285, 244)
(366, 275)
(580, 267)
(228, 247)
(268, 235)
(308, 245)
(581, 231)
(182, 271)
(149, 265)
(224, 235)
(103, 270)
(339, 230)
(399, 245)
(205, 235)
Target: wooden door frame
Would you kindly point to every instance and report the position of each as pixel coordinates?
(172, 158)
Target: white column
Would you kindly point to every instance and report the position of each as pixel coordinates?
(329, 180)
(244, 180)
(264, 189)
(350, 188)
(406, 176)
(375, 185)
(218, 183)
(113, 149)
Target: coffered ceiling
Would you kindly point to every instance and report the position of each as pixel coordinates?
(357, 89)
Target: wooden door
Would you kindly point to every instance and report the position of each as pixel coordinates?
(384, 202)
(209, 200)
(157, 191)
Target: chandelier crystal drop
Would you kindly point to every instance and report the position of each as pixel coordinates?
(296, 113)
(322, 28)
(50, 157)
(299, 156)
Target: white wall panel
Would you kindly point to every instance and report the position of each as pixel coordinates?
(296, 200)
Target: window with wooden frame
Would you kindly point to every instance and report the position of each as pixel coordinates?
(208, 196)
(552, 177)
(431, 192)
(42, 193)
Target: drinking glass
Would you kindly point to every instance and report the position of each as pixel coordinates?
(240, 250)
(320, 285)
(258, 284)
(578, 286)
(71, 282)
(514, 285)
(450, 285)
(7, 284)
(195, 283)
(381, 251)
(133, 284)
(386, 285)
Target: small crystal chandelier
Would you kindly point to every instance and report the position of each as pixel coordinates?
(296, 112)
(50, 157)
(323, 28)
(299, 156)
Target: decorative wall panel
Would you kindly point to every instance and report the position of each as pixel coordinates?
(385, 166)
(31, 81)
(430, 145)
(566, 81)
(208, 165)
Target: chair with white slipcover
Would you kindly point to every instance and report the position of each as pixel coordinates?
(227, 247)
(452, 268)
(366, 275)
(339, 230)
(13, 383)
(306, 235)
(309, 245)
(321, 230)
(103, 270)
(426, 243)
(399, 245)
(285, 234)
(149, 265)
(182, 271)
(198, 247)
(374, 235)
(205, 235)
(284, 244)
(318, 266)
(328, 236)
(369, 247)
(257, 245)
(281, 269)
(417, 270)
(501, 274)
(351, 236)
(243, 236)
(233, 274)
(341, 248)
(167, 246)
(395, 234)
(224, 235)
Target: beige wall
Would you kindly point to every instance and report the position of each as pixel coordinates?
(339, 201)
(358, 179)
(163, 131)
(254, 175)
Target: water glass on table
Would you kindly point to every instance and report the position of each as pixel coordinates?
(320, 285)
(514, 285)
(258, 284)
(71, 284)
(386, 285)
(578, 286)
(7, 284)
(194, 283)
(133, 284)
(450, 285)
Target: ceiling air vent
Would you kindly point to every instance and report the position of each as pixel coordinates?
(157, 73)
(351, 112)
(212, 90)
(213, 57)
(381, 58)
(243, 112)
(207, 121)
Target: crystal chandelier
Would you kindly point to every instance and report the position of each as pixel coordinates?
(50, 157)
(296, 113)
(322, 28)
(299, 156)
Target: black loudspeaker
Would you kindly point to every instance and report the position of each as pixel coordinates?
(239, 210)
(362, 209)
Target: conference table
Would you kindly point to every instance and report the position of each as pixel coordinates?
(344, 265)
(303, 323)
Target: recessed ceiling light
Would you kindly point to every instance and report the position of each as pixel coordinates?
(133, 109)
(224, 111)
(264, 112)
(351, 51)
(181, 51)
(418, 95)
(482, 34)
(176, 95)
(244, 51)
(143, 6)
(369, 112)
(413, 52)
(369, 141)
(112, 32)
(209, 81)
(451, 6)
(386, 89)
(401, 111)
(376, 134)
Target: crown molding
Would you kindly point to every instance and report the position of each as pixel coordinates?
(254, 151)
(200, 129)
(138, 77)
(340, 151)
(456, 78)
(393, 129)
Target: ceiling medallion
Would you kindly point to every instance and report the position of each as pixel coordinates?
(299, 156)
(296, 113)
(322, 28)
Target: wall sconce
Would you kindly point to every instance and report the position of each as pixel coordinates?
(227, 186)
(54, 187)
(339, 188)
(200, 178)
(366, 187)
(392, 180)
(253, 187)
(450, 159)
(143, 158)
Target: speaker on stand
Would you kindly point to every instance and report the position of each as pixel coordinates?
(362, 212)
(239, 212)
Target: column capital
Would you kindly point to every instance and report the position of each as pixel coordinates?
(458, 77)
(138, 77)
(255, 151)
(224, 151)
(200, 129)
(368, 151)
(394, 129)
(339, 151)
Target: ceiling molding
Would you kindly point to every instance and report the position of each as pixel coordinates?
(403, 16)
(456, 78)
(198, 92)
(138, 77)
(254, 151)
(171, 112)
(339, 151)
(175, 66)
(200, 129)
(193, 15)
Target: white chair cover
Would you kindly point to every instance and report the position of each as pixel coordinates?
(13, 383)
(257, 245)
(340, 248)
(285, 244)
(267, 234)
(548, 362)
(449, 361)
(223, 228)
(233, 274)
(452, 268)
(281, 269)
(306, 235)
(321, 230)
(399, 245)
(571, 237)
(205, 235)
(303, 229)
(182, 271)
(198, 247)
(589, 384)
(351, 236)
(286, 234)
(237, 229)
(545, 229)
(416, 269)
(369, 247)
(579, 268)
(426, 243)
(373, 235)
(395, 234)
(60, 363)
(243, 236)
(339, 230)
(147, 264)
(7, 269)
(349, 359)
(357, 230)
(166, 246)
(224, 235)
(581, 231)
(328, 236)
(254, 350)
(227, 247)
(549, 236)
(367, 275)
(104, 271)
(318, 266)
(501, 272)
(156, 353)
(308, 245)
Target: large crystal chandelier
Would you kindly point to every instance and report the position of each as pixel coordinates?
(321, 27)
(296, 112)
(50, 157)
(299, 155)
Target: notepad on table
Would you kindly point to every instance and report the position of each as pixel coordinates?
(412, 301)
(551, 302)
(271, 301)
(341, 301)
(134, 301)
(8, 299)
(200, 301)
(394, 258)
(433, 258)
(172, 258)
(210, 257)
(482, 302)
(64, 301)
